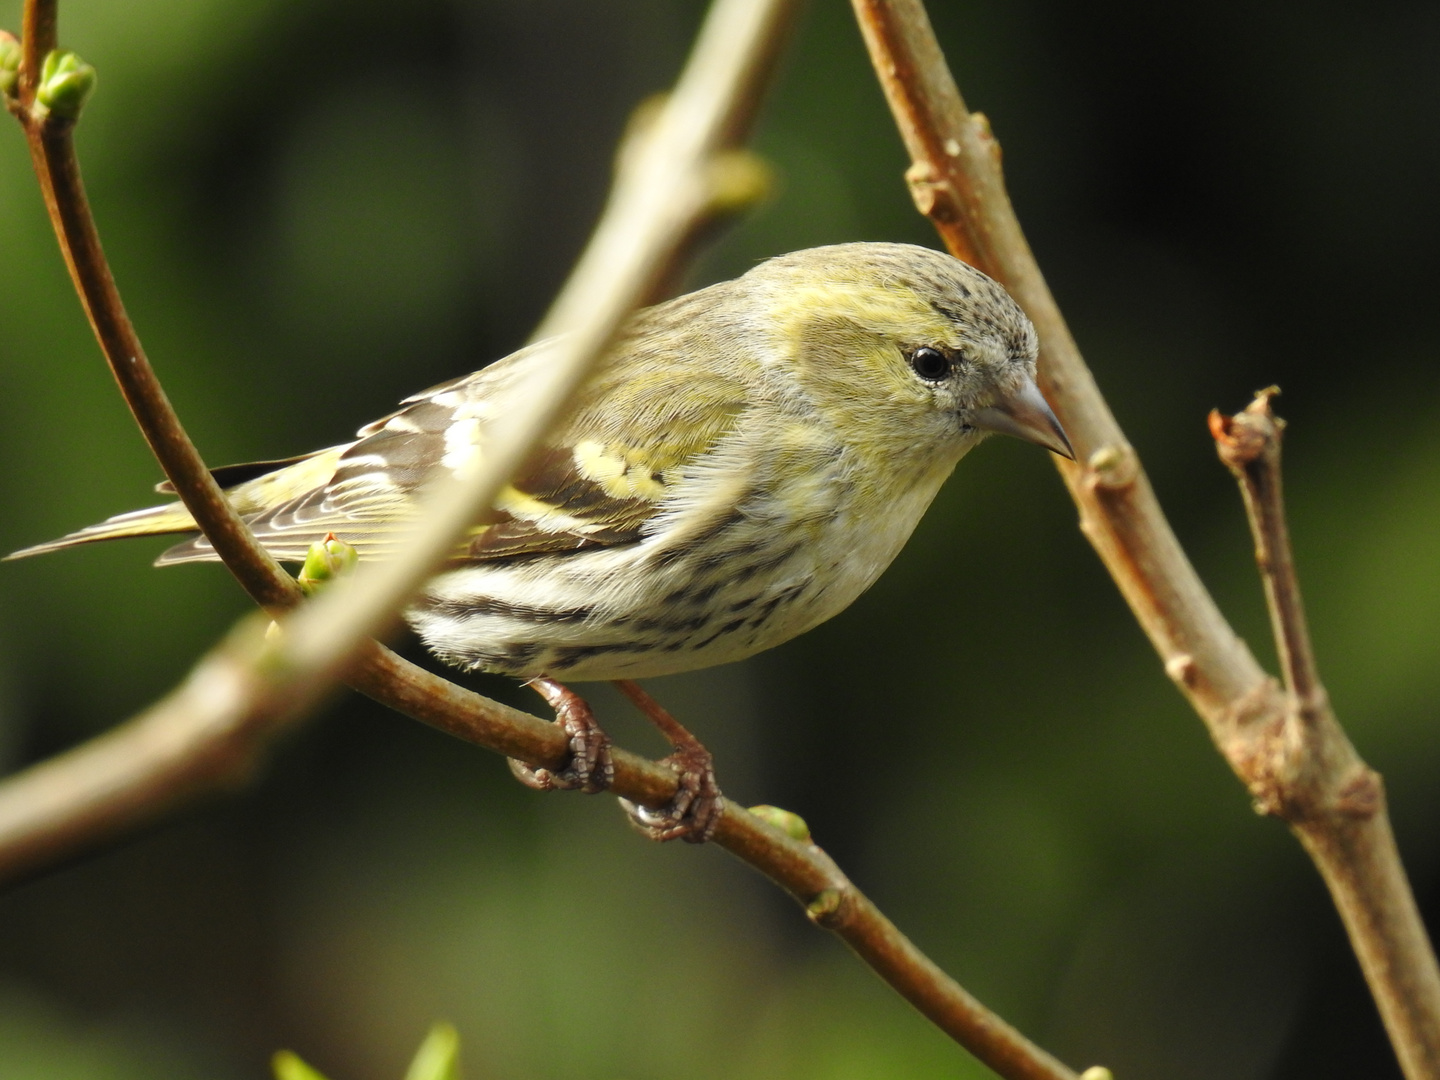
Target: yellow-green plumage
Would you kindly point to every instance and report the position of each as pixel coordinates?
(746, 461)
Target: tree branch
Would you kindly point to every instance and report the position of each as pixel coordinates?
(956, 179)
(663, 190)
(1319, 784)
(52, 151)
(212, 729)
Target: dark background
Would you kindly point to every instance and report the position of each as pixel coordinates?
(316, 207)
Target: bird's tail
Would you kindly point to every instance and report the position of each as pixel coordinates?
(155, 521)
(252, 489)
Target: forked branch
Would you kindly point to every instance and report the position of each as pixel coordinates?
(1313, 777)
(1294, 759)
(212, 728)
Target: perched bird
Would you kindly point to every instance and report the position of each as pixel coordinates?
(745, 462)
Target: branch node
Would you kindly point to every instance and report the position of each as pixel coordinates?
(1362, 796)
(828, 908)
(1261, 739)
(1240, 440)
(1112, 468)
(934, 195)
(1182, 669)
(986, 134)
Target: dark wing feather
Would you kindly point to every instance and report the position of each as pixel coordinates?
(596, 481)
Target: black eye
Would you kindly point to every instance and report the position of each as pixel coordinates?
(930, 364)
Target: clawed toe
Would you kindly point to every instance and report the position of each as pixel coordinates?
(590, 769)
(697, 806)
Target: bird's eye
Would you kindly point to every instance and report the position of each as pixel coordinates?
(930, 364)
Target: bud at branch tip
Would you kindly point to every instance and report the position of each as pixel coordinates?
(65, 83)
(9, 63)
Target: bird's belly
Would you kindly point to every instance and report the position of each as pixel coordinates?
(643, 610)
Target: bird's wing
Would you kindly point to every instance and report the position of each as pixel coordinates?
(595, 481)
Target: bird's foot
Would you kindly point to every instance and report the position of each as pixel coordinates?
(590, 769)
(696, 808)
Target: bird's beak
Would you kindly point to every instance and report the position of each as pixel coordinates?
(1026, 415)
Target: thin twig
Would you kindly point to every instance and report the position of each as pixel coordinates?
(1333, 800)
(1334, 803)
(665, 187)
(212, 728)
(201, 734)
(52, 151)
(1249, 446)
(666, 192)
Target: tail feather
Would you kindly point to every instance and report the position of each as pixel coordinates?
(155, 521)
(257, 488)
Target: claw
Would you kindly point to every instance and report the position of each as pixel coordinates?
(590, 768)
(697, 806)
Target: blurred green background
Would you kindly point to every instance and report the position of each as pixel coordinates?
(316, 207)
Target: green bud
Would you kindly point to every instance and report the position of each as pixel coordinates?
(825, 904)
(326, 559)
(288, 1066)
(1097, 1072)
(65, 83)
(9, 63)
(791, 824)
(438, 1057)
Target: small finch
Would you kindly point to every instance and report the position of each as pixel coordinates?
(744, 463)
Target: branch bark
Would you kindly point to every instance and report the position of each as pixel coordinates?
(52, 151)
(212, 730)
(1331, 800)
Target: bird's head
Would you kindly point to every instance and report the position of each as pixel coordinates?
(912, 347)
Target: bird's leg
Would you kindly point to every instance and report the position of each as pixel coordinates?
(694, 812)
(590, 769)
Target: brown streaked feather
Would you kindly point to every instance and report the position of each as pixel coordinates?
(229, 476)
(597, 481)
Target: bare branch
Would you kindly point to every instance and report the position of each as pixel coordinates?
(52, 151)
(1334, 803)
(963, 191)
(212, 729)
(665, 186)
(1314, 778)
(1249, 446)
(663, 191)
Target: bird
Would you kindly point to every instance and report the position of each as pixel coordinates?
(746, 460)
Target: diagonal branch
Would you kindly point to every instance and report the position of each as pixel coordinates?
(1333, 802)
(662, 193)
(213, 728)
(1318, 783)
(52, 151)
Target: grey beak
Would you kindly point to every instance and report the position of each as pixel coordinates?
(1026, 415)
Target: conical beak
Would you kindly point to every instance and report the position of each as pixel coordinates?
(1026, 415)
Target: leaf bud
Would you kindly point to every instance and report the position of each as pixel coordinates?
(65, 82)
(326, 559)
(9, 63)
